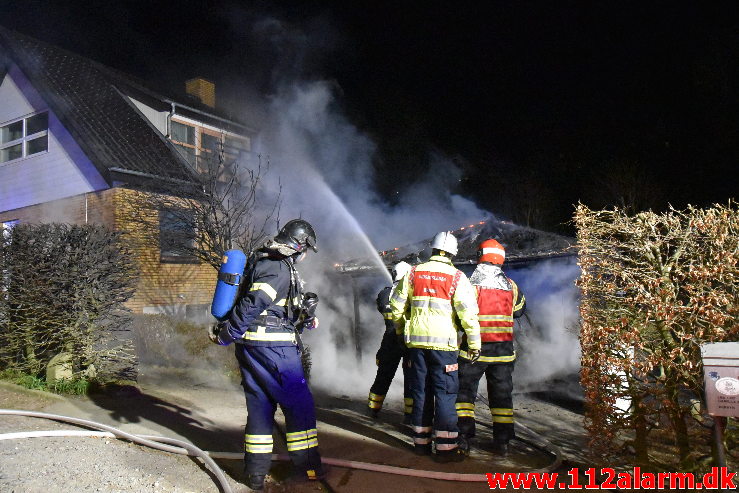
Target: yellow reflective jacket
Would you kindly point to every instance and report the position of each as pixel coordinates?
(433, 297)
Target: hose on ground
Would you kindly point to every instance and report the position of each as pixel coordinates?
(152, 442)
(184, 448)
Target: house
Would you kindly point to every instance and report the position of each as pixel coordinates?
(80, 141)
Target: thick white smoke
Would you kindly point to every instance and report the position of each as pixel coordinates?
(323, 166)
(548, 335)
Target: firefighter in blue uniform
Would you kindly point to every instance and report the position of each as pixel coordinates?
(391, 351)
(263, 325)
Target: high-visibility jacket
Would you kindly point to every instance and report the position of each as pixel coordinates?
(496, 311)
(434, 297)
(499, 301)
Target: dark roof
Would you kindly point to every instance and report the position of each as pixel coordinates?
(522, 245)
(89, 99)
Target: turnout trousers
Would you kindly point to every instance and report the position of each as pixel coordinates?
(271, 376)
(500, 394)
(433, 387)
(388, 358)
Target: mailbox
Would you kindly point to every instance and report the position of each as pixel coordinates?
(721, 378)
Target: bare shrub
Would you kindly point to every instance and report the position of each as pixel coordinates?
(63, 290)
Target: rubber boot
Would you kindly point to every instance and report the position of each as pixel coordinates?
(307, 476)
(255, 482)
(500, 448)
(422, 449)
(464, 444)
(453, 455)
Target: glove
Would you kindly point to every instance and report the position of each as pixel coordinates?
(474, 355)
(213, 332)
(310, 303)
(308, 311)
(310, 324)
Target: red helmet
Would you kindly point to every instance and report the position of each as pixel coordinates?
(491, 251)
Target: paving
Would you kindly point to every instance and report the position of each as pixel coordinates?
(209, 412)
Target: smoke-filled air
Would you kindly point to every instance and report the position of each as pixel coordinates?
(321, 164)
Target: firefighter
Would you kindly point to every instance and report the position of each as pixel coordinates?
(431, 297)
(499, 301)
(263, 325)
(391, 351)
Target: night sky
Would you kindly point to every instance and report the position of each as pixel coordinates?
(541, 104)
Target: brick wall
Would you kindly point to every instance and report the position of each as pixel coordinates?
(92, 207)
(165, 287)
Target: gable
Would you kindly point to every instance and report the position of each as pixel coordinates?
(88, 99)
(61, 170)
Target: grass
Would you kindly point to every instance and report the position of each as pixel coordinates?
(74, 386)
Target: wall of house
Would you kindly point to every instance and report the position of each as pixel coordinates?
(62, 185)
(92, 208)
(62, 171)
(174, 289)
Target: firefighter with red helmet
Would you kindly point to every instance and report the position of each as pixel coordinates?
(499, 301)
(432, 300)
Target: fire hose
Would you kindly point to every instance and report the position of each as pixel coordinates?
(180, 447)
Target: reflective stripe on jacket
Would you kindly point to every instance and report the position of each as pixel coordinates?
(499, 301)
(259, 317)
(430, 296)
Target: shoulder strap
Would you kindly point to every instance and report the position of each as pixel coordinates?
(453, 289)
(247, 278)
(292, 290)
(411, 276)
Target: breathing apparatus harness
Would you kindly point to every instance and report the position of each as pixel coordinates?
(298, 316)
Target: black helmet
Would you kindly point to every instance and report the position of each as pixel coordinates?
(297, 234)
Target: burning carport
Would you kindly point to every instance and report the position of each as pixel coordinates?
(541, 263)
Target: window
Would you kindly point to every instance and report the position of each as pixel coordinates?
(24, 137)
(183, 136)
(177, 236)
(204, 146)
(233, 149)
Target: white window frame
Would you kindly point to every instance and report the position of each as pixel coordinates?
(26, 138)
(200, 128)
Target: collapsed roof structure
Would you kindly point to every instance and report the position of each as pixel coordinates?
(522, 244)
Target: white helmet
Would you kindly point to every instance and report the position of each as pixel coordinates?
(400, 270)
(445, 241)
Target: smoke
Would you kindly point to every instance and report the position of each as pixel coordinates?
(322, 165)
(548, 346)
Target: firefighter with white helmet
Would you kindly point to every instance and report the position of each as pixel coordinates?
(499, 301)
(431, 300)
(391, 351)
